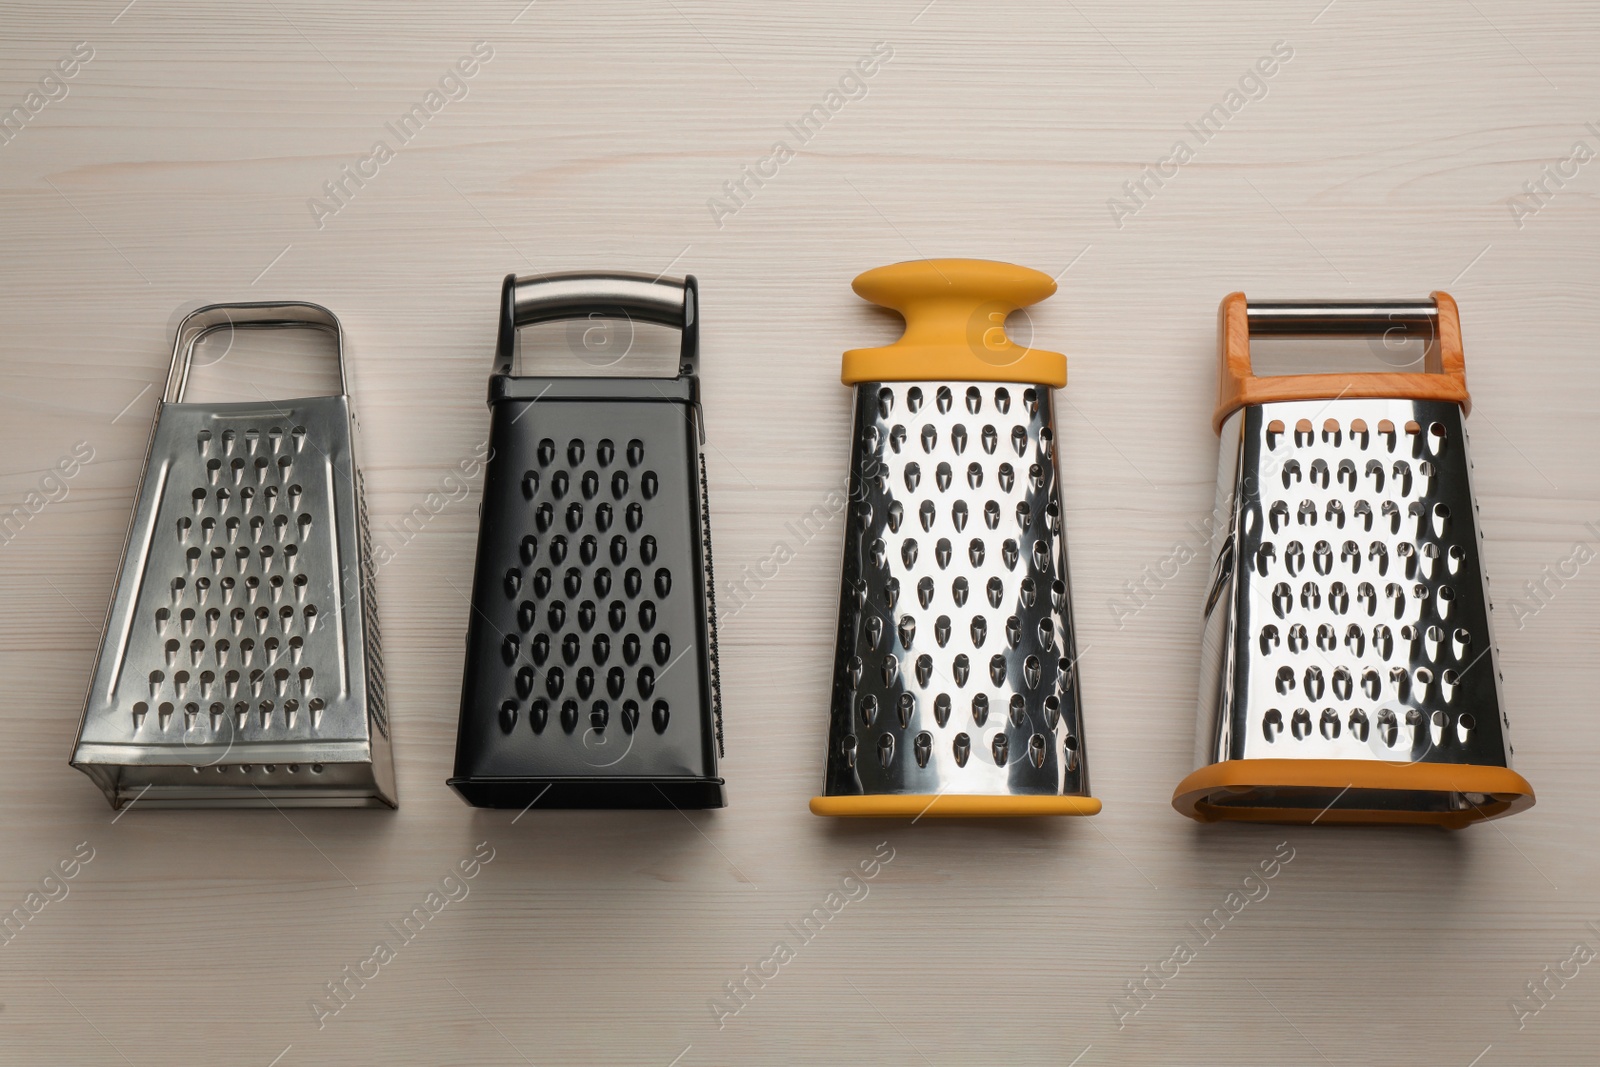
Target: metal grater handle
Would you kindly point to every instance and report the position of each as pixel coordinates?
(1363, 318)
(269, 315)
(540, 298)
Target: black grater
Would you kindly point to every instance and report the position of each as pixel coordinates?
(591, 667)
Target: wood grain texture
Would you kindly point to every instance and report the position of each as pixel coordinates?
(1380, 159)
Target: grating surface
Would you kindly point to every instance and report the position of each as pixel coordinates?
(955, 667)
(1351, 592)
(588, 652)
(242, 645)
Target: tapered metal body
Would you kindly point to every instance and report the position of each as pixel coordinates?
(955, 667)
(241, 663)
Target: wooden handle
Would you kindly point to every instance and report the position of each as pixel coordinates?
(1238, 385)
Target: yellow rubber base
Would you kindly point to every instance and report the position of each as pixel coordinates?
(951, 806)
(1505, 792)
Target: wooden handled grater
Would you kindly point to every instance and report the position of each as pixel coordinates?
(1348, 670)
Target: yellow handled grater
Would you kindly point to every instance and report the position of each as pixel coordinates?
(955, 684)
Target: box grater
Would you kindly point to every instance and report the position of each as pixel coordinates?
(240, 662)
(955, 684)
(1348, 668)
(591, 669)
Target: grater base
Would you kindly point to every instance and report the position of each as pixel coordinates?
(357, 777)
(1351, 792)
(591, 793)
(950, 806)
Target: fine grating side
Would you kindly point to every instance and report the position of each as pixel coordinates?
(955, 664)
(1350, 616)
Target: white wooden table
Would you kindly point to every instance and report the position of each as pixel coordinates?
(184, 161)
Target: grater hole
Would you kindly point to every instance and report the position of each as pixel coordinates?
(635, 452)
(574, 452)
(914, 399)
(943, 399)
(1019, 439)
(605, 451)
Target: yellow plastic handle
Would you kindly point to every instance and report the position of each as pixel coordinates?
(955, 312)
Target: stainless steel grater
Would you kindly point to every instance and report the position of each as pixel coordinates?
(1349, 663)
(240, 662)
(955, 685)
(591, 670)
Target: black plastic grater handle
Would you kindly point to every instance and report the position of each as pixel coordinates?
(538, 298)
